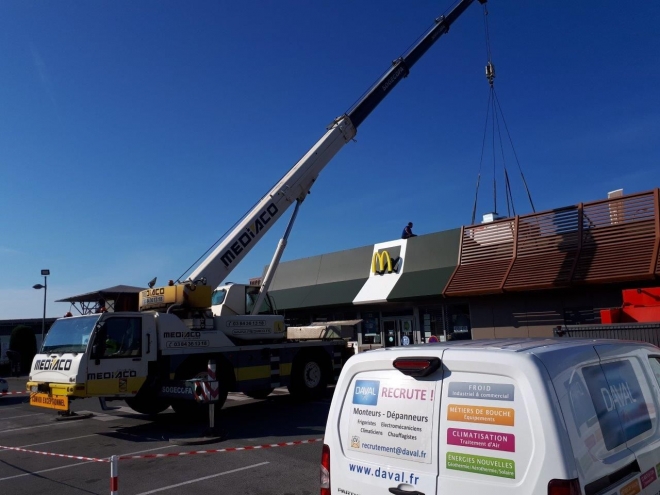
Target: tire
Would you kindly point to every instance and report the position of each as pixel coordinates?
(259, 394)
(309, 376)
(190, 409)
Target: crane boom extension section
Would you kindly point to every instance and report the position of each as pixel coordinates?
(401, 67)
(295, 185)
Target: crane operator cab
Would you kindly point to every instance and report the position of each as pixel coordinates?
(232, 306)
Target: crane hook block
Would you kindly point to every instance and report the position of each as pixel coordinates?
(490, 72)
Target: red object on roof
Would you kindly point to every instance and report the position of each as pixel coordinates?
(639, 305)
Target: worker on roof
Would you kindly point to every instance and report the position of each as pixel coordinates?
(407, 231)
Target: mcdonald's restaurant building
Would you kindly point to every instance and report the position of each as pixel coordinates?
(514, 277)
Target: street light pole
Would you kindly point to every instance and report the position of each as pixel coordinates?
(43, 320)
(45, 273)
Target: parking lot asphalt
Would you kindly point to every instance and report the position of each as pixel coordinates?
(282, 470)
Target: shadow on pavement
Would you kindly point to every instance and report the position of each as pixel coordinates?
(13, 400)
(276, 416)
(45, 478)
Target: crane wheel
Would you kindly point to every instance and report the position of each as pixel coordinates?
(309, 375)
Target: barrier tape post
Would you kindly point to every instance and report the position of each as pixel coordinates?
(114, 481)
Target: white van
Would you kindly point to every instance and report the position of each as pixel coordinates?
(489, 417)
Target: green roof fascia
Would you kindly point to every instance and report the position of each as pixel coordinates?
(317, 295)
(421, 283)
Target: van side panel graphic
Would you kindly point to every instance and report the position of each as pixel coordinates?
(365, 392)
(392, 418)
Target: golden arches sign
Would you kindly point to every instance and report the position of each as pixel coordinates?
(381, 261)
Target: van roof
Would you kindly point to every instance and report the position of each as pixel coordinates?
(524, 345)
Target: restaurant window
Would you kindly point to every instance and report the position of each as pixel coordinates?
(370, 329)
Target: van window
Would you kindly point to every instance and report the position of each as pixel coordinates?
(655, 367)
(619, 402)
(581, 406)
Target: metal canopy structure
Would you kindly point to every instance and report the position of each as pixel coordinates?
(117, 298)
(606, 241)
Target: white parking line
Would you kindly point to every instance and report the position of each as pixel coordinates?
(38, 426)
(22, 416)
(51, 441)
(78, 464)
(203, 478)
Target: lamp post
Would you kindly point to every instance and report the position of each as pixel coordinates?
(45, 273)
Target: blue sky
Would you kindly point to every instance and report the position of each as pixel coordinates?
(134, 134)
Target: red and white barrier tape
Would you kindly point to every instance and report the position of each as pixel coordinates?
(13, 393)
(217, 451)
(79, 457)
(171, 454)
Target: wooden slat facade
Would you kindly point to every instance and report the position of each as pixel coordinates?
(613, 240)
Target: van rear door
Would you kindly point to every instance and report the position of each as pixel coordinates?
(387, 429)
(500, 425)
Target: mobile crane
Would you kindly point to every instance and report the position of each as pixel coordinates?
(145, 357)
